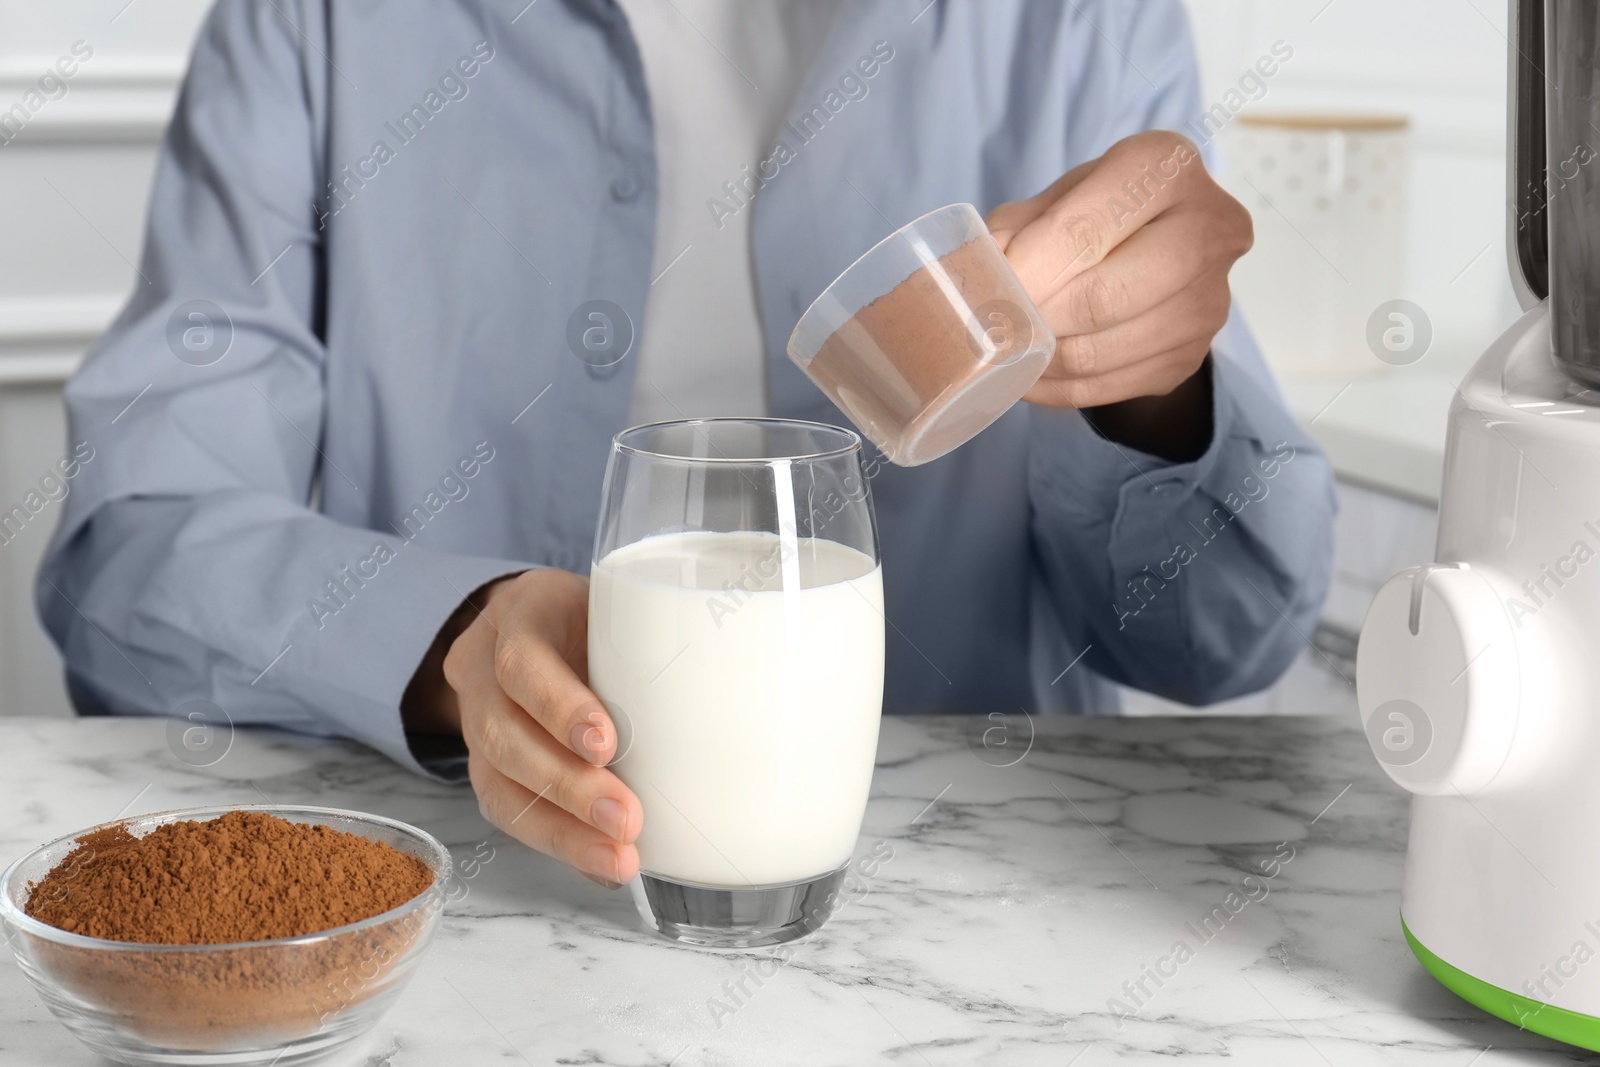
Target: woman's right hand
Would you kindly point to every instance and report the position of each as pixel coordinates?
(537, 738)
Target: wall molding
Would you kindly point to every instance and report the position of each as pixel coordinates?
(56, 319)
(157, 71)
(46, 369)
(132, 115)
(110, 100)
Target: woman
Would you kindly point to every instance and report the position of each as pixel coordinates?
(411, 265)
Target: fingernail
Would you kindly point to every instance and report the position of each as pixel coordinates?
(589, 741)
(610, 817)
(601, 861)
(607, 883)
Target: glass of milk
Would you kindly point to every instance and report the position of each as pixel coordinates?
(736, 636)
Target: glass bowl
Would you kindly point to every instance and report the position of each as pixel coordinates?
(283, 1001)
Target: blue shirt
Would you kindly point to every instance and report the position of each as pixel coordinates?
(345, 391)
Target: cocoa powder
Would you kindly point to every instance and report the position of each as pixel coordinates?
(919, 375)
(244, 876)
(241, 877)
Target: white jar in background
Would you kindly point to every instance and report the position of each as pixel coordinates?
(1330, 198)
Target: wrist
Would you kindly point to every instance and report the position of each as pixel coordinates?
(430, 705)
(1176, 426)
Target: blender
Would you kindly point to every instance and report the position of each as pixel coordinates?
(1475, 673)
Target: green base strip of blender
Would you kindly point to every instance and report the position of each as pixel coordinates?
(1527, 1013)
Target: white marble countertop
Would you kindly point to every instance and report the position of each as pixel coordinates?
(1018, 901)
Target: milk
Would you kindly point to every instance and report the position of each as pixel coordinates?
(746, 678)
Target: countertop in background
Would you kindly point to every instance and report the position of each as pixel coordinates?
(1018, 901)
(1385, 431)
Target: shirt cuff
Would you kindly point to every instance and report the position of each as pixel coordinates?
(1098, 491)
(356, 668)
(1092, 477)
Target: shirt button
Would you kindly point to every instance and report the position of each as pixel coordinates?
(624, 187)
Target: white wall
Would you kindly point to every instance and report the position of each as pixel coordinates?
(73, 185)
(1443, 64)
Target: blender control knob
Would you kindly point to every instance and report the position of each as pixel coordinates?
(1437, 679)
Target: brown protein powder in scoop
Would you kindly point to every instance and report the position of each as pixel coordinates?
(910, 359)
(244, 876)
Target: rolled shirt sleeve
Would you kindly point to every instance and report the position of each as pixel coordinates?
(1196, 581)
(188, 550)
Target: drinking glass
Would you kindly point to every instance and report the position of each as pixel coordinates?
(736, 637)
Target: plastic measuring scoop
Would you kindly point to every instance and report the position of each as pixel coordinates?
(926, 339)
